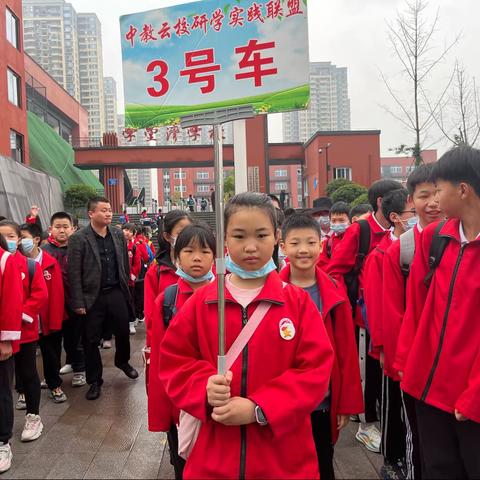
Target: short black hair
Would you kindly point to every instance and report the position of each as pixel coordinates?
(273, 197)
(394, 202)
(288, 211)
(33, 229)
(379, 189)
(359, 210)
(251, 200)
(10, 223)
(93, 202)
(61, 216)
(421, 174)
(459, 165)
(199, 233)
(340, 208)
(300, 220)
(3, 242)
(129, 226)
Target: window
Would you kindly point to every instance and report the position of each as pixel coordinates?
(281, 173)
(177, 176)
(16, 146)
(202, 176)
(12, 29)
(342, 172)
(396, 169)
(13, 87)
(203, 188)
(279, 186)
(180, 188)
(410, 169)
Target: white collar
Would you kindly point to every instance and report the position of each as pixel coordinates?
(393, 236)
(463, 237)
(378, 223)
(419, 227)
(39, 257)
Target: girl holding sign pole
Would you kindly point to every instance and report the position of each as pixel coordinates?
(255, 419)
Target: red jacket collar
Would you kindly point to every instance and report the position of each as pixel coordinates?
(47, 260)
(328, 288)
(55, 243)
(375, 227)
(451, 229)
(184, 287)
(272, 291)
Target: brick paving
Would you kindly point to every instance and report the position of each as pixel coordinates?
(108, 438)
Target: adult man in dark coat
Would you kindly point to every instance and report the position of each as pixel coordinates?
(98, 271)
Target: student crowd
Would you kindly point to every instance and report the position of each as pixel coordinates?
(331, 315)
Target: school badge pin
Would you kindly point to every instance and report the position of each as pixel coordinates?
(47, 275)
(287, 329)
(23, 276)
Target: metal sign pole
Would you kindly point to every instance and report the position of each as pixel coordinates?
(220, 260)
(217, 118)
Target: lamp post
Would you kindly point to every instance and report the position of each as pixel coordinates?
(327, 165)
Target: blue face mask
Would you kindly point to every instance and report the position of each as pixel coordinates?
(410, 223)
(339, 227)
(205, 278)
(232, 267)
(12, 246)
(27, 245)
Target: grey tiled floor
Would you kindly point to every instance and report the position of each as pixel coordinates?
(108, 438)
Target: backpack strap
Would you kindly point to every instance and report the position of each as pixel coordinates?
(364, 245)
(169, 304)
(3, 261)
(407, 251)
(437, 249)
(329, 246)
(31, 265)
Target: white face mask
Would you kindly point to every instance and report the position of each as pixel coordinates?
(324, 221)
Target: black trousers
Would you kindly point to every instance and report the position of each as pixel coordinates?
(26, 376)
(176, 460)
(138, 299)
(393, 427)
(6, 400)
(322, 436)
(450, 449)
(371, 374)
(413, 454)
(110, 306)
(51, 348)
(72, 341)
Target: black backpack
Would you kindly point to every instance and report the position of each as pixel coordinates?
(169, 304)
(351, 278)
(437, 249)
(31, 266)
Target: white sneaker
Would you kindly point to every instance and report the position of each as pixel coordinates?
(5, 457)
(135, 323)
(43, 384)
(67, 368)
(133, 330)
(370, 437)
(79, 379)
(21, 403)
(141, 320)
(106, 344)
(33, 428)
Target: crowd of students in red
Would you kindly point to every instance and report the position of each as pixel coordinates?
(366, 314)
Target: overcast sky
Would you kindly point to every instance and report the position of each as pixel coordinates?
(349, 33)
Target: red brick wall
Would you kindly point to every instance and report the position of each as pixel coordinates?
(12, 117)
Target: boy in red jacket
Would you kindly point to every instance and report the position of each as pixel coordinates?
(397, 208)
(339, 222)
(347, 266)
(396, 267)
(301, 243)
(11, 298)
(53, 313)
(438, 352)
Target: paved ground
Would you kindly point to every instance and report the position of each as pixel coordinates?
(108, 438)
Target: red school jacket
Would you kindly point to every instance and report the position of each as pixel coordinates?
(394, 301)
(161, 412)
(53, 312)
(34, 299)
(439, 345)
(11, 299)
(287, 378)
(324, 258)
(160, 275)
(372, 293)
(346, 386)
(134, 261)
(344, 256)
